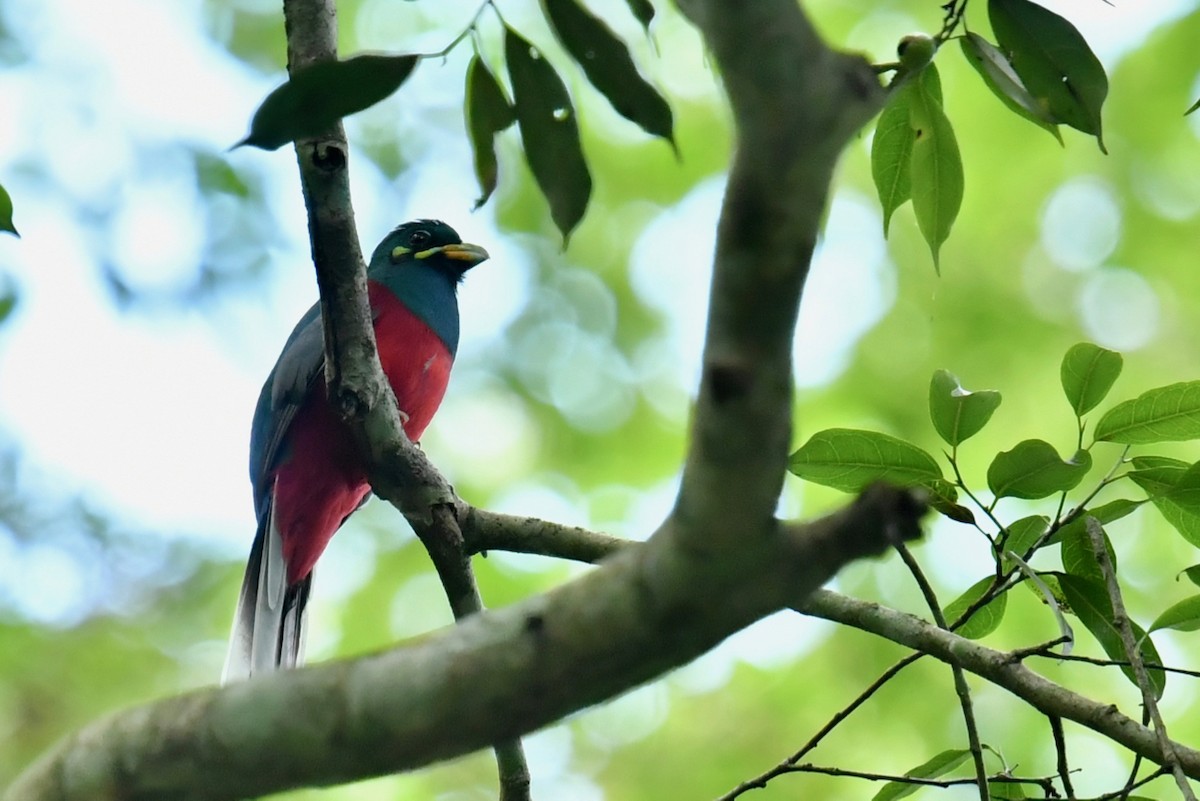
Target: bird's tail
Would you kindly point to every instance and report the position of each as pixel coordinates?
(270, 621)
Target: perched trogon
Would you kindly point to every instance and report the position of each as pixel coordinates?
(306, 472)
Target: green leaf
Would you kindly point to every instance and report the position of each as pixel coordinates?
(1088, 372)
(1054, 62)
(1193, 574)
(1078, 557)
(1173, 489)
(1105, 513)
(1020, 535)
(940, 765)
(891, 154)
(986, 619)
(1034, 470)
(937, 175)
(317, 96)
(1046, 586)
(956, 413)
(8, 302)
(1164, 414)
(606, 62)
(487, 112)
(850, 459)
(1090, 603)
(1004, 82)
(549, 132)
(1192, 108)
(1183, 616)
(6, 213)
(643, 11)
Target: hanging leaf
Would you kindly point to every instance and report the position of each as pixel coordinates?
(1054, 62)
(1078, 557)
(549, 132)
(1165, 414)
(956, 413)
(606, 62)
(937, 174)
(940, 765)
(850, 459)
(1183, 616)
(986, 619)
(1088, 372)
(6, 213)
(1002, 79)
(643, 11)
(488, 112)
(317, 96)
(1090, 602)
(1034, 470)
(891, 154)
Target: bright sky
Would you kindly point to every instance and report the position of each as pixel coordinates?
(149, 412)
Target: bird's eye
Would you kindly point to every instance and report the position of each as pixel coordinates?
(418, 238)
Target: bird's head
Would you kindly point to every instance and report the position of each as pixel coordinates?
(428, 244)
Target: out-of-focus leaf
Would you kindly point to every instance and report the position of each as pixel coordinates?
(956, 413)
(317, 96)
(940, 765)
(1163, 414)
(1192, 108)
(606, 62)
(1002, 79)
(1088, 372)
(8, 302)
(1054, 62)
(1193, 574)
(986, 619)
(643, 11)
(549, 132)
(850, 459)
(488, 112)
(6, 213)
(214, 174)
(1034, 470)
(1090, 603)
(1183, 616)
(937, 174)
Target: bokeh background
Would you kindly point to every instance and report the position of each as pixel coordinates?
(158, 274)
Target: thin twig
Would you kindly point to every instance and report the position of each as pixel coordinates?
(960, 679)
(1060, 748)
(1121, 621)
(1046, 783)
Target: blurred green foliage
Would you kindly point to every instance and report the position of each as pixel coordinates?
(1001, 315)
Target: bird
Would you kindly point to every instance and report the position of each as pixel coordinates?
(306, 473)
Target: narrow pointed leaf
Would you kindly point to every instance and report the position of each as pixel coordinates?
(850, 459)
(1034, 470)
(940, 765)
(1002, 79)
(606, 61)
(316, 97)
(937, 174)
(1054, 62)
(1165, 414)
(986, 619)
(6, 213)
(1193, 574)
(1046, 586)
(1088, 372)
(958, 414)
(1090, 603)
(891, 154)
(1183, 616)
(1192, 108)
(488, 112)
(549, 132)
